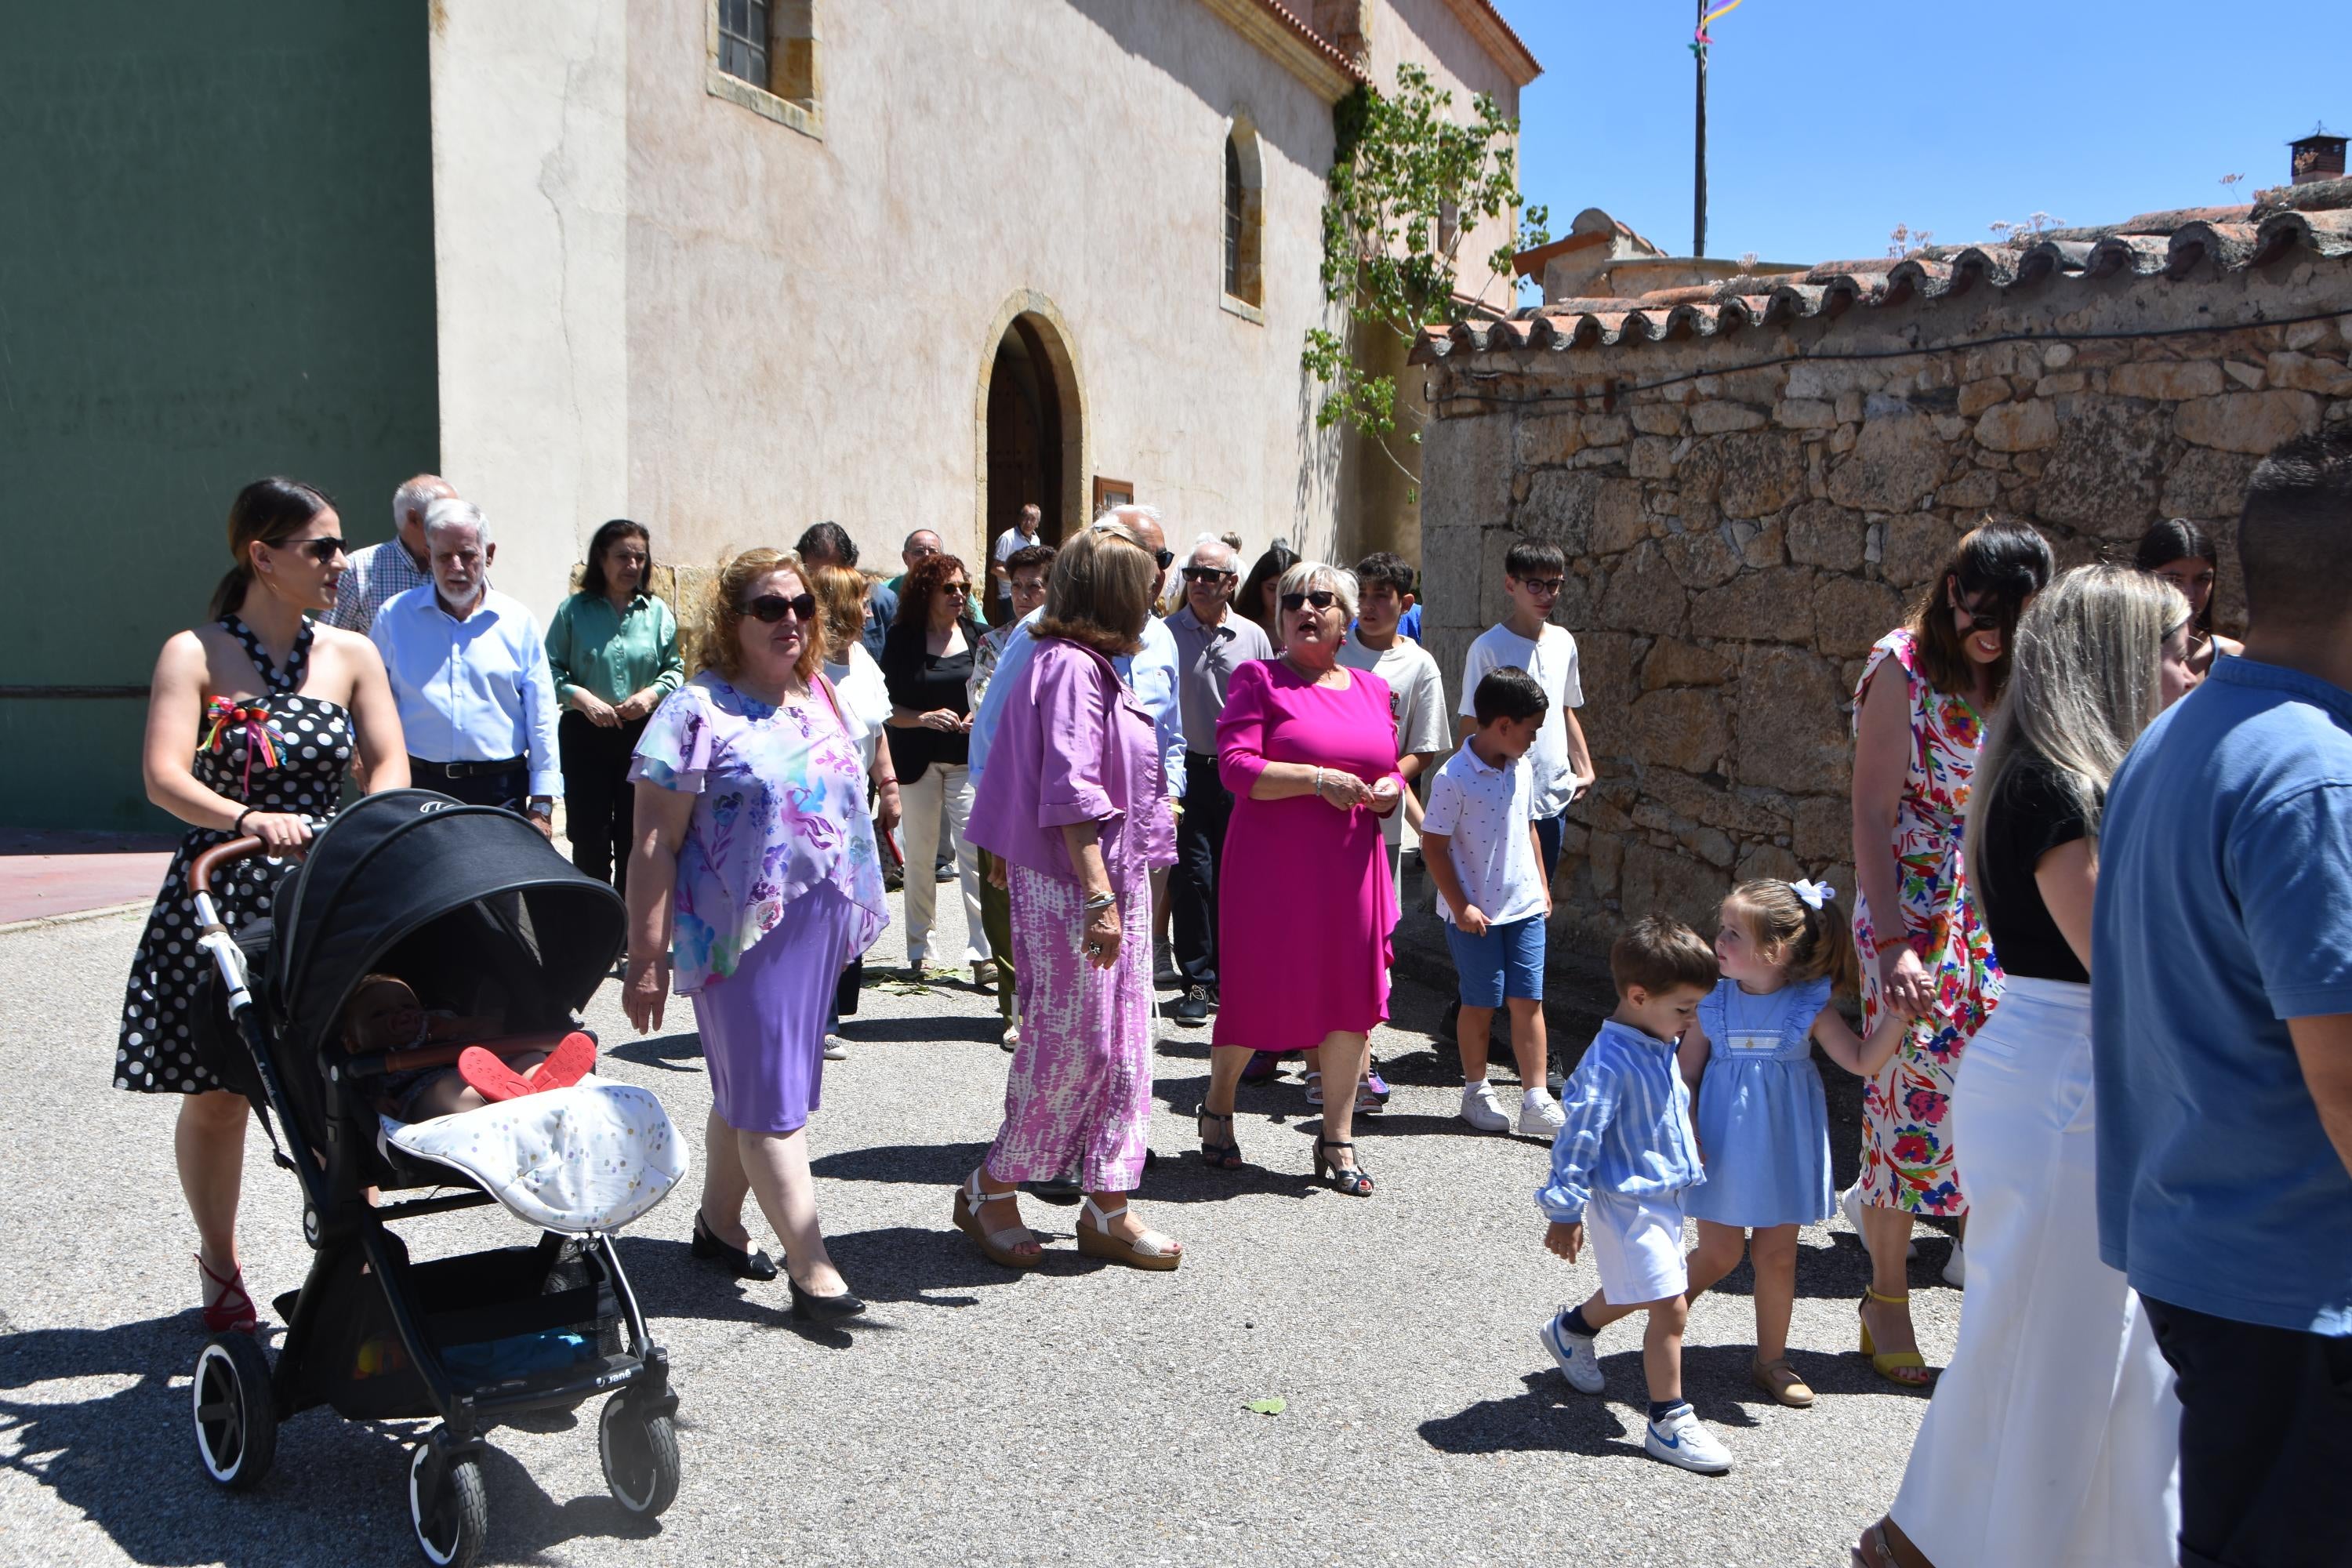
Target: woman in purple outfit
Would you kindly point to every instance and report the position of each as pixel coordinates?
(1075, 803)
(752, 883)
(1305, 904)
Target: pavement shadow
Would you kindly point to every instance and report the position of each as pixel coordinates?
(670, 1052)
(936, 1028)
(941, 1165)
(1548, 1418)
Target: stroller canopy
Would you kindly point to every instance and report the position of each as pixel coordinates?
(394, 864)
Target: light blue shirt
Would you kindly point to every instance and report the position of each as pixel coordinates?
(1628, 1130)
(2224, 908)
(475, 691)
(1150, 675)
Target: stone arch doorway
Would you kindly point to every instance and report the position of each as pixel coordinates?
(1031, 446)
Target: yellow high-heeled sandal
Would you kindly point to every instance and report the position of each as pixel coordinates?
(1887, 1364)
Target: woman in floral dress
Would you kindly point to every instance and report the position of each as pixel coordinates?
(1916, 743)
(754, 882)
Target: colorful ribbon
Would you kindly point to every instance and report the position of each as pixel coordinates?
(1699, 39)
(262, 734)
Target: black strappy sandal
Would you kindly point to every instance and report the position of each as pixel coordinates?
(1225, 1156)
(1352, 1180)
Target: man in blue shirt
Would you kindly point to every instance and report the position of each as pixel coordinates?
(470, 673)
(2221, 1020)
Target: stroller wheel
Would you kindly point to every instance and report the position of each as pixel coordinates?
(640, 1454)
(447, 1505)
(236, 1410)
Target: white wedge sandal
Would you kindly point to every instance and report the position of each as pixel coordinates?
(1151, 1250)
(996, 1245)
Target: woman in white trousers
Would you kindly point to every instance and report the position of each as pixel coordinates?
(2052, 1438)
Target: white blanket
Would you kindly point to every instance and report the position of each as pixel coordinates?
(591, 1157)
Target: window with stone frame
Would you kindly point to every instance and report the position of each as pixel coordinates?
(743, 40)
(764, 56)
(1243, 274)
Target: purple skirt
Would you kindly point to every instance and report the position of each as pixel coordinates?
(763, 1026)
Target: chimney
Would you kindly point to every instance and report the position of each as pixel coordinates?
(2318, 156)
(1344, 25)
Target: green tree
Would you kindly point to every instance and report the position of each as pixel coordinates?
(1408, 184)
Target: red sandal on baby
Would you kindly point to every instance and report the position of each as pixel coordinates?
(566, 1065)
(490, 1077)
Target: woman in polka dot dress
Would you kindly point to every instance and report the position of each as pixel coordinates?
(250, 722)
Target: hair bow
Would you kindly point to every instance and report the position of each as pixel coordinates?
(262, 736)
(1814, 894)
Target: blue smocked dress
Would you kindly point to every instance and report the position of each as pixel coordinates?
(1763, 1123)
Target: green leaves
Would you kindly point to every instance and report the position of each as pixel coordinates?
(1274, 1407)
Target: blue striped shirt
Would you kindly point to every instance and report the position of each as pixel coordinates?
(1628, 1129)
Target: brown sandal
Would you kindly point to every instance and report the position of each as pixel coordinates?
(1779, 1379)
(996, 1246)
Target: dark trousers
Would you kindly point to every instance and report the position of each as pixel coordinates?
(996, 921)
(599, 803)
(510, 789)
(1193, 889)
(1548, 832)
(2265, 1440)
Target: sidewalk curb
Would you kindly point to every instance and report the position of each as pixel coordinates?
(71, 916)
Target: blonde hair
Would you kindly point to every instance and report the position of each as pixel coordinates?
(1307, 577)
(2086, 681)
(1805, 942)
(713, 643)
(1100, 590)
(841, 602)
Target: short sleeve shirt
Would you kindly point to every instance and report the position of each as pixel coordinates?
(1417, 700)
(1206, 657)
(1551, 660)
(2029, 814)
(2225, 908)
(1010, 541)
(1485, 813)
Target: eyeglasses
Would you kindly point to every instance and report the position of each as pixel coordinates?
(1206, 575)
(1542, 587)
(1321, 598)
(770, 608)
(322, 548)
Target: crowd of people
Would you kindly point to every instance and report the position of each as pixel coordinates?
(2100, 946)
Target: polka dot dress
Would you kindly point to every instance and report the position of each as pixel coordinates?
(157, 1053)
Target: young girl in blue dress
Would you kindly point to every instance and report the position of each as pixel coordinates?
(1762, 1122)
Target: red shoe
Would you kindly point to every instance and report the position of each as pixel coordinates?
(490, 1077)
(232, 1309)
(566, 1065)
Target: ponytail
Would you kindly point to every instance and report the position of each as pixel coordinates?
(231, 592)
(1808, 943)
(266, 511)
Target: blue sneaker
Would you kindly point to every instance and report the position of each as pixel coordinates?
(1681, 1438)
(1579, 1363)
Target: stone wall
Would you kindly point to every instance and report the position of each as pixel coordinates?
(1745, 514)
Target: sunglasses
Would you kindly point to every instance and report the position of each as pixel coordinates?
(1321, 598)
(1986, 619)
(323, 549)
(769, 608)
(1205, 574)
(958, 589)
(1165, 557)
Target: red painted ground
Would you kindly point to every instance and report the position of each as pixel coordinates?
(44, 874)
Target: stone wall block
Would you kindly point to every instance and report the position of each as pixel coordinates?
(2057, 356)
(1757, 607)
(1620, 521)
(2251, 422)
(1673, 662)
(2106, 469)
(1657, 418)
(2018, 426)
(1748, 812)
(1465, 477)
(2064, 384)
(1651, 458)
(2169, 380)
(2304, 335)
(1546, 439)
(1821, 533)
(1718, 418)
(1975, 396)
(1642, 594)
(1601, 458)
(1896, 462)
(1493, 603)
(1824, 831)
(2302, 373)
(1702, 559)
(1685, 727)
(1655, 881)
(1761, 544)
(1605, 662)
(1850, 614)
(1607, 429)
(2207, 485)
(1560, 508)
(1762, 861)
(1605, 860)
(1977, 488)
(1762, 472)
(1790, 724)
(1804, 413)
(2250, 376)
(1917, 547)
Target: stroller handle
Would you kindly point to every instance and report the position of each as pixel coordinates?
(208, 864)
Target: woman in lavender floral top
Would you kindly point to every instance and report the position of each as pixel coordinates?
(752, 882)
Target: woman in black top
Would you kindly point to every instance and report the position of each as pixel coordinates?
(927, 665)
(2051, 1435)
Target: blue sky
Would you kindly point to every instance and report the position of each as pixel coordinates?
(1829, 123)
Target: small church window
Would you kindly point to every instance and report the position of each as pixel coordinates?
(743, 40)
(1245, 226)
(1233, 218)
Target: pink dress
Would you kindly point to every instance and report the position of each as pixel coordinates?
(1305, 904)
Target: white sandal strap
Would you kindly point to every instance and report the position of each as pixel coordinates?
(1102, 1218)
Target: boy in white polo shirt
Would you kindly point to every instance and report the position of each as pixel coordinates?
(1532, 575)
(1478, 840)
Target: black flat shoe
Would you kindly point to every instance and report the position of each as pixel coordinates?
(808, 1308)
(1061, 1190)
(742, 1264)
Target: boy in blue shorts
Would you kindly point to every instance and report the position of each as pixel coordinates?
(1478, 840)
(1618, 1169)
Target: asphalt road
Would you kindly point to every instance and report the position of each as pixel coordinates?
(1082, 1414)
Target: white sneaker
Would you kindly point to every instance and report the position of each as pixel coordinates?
(1480, 1110)
(1683, 1440)
(1540, 1115)
(1579, 1361)
(835, 1049)
(1956, 1268)
(1849, 1200)
(1011, 1038)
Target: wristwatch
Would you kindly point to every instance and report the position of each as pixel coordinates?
(541, 805)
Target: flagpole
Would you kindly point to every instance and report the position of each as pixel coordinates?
(1698, 177)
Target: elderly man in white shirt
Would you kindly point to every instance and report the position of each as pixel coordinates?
(468, 668)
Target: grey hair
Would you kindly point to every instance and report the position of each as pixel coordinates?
(1111, 523)
(1112, 513)
(451, 512)
(1211, 541)
(2084, 682)
(1305, 576)
(415, 498)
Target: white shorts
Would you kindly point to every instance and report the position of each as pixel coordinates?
(1637, 1245)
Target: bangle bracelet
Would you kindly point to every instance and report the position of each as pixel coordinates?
(236, 828)
(1096, 901)
(886, 779)
(1319, 781)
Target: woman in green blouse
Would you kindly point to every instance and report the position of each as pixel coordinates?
(613, 649)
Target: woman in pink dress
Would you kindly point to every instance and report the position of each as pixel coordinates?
(1305, 904)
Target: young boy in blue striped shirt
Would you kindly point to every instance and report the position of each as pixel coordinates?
(1619, 1168)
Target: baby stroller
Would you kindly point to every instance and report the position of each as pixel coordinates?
(415, 884)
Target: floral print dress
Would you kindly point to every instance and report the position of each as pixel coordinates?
(1906, 1109)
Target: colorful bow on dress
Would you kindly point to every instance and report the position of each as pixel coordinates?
(262, 734)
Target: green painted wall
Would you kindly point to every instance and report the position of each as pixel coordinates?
(216, 262)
